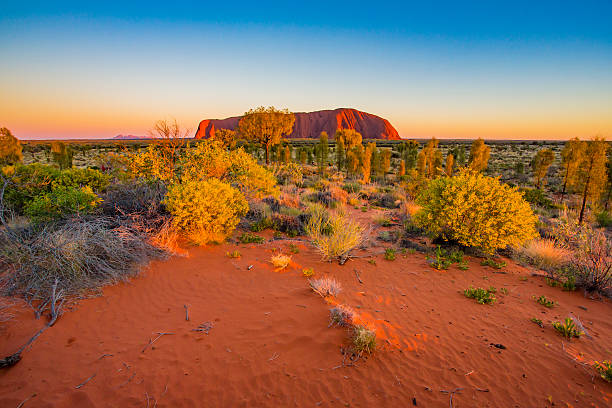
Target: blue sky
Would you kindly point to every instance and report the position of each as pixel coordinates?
(444, 69)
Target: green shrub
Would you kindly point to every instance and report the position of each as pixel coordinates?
(545, 302)
(568, 329)
(537, 321)
(390, 254)
(481, 295)
(207, 210)
(60, 203)
(537, 197)
(475, 211)
(493, 263)
(364, 340)
(352, 187)
(248, 238)
(604, 219)
(604, 369)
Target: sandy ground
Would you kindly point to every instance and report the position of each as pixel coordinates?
(270, 344)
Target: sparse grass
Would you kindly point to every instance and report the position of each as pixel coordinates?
(537, 321)
(568, 328)
(383, 221)
(308, 272)
(248, 238)
(390, 254)
(493, 263)
(442, 259)
(545, 302)
(334, 235)
(233, 254)
(341, 315)
(364, 340)
(294, 249)
(546, 254)
(604, 369)
(481, 295)
(280, 261)
(325, 287)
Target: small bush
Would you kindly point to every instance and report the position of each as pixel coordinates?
(208, 210)
(475, 211)
(364, 340)
(325, 287)
(537, 197)
(568, 329)
(352, 187)
(342, 316)
(604, 369)
(335, 236)
(545, 302)
(493, 263)
(537, 321)
(388, 236)
(248, 238)
(280, 261)
(138, 197)
(546, 254)
(62, 202)
(390, 254)
(481, 295)
(308, 272)
(604, 219)
(233, 254)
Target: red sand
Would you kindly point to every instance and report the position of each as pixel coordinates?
(271, 345)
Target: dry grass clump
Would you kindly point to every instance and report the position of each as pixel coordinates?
(334, 235)
(409, 208)
(546, 254)
(341, 315)
(280, 261)
(364, 340)
(337, 193)
(78, 254)
(325, 287)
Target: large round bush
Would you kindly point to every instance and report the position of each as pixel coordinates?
(476, 211)
(207, 210)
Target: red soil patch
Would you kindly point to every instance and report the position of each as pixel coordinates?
(270, 344)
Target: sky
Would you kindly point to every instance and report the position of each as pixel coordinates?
(445, 69)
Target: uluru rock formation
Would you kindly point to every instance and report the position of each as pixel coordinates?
(311, 124)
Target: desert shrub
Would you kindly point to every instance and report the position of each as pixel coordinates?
(443, 258)
(308, 272)
(604, 219)
(325, 287)
(388, 236)
(352, 187)
(77, 178)
(537, 197)
(383, 221)
(136, 197)
(475, 211)
(492, 263)
(481, 295)
(544, 301)
(592, 262)
(364, 340)
(62, 202)
(604, 369)
(537, 321)
(290, 225)
(80, 254)
(545, 254)
(334, 235)
(289, 173)
(568, 328)
(341, 315)
(206, 210)
(385, 200)
(248, 238)
(280, 261)
(390, 254)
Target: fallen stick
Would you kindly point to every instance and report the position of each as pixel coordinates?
(26, 400)
(105, 355)
(128, 380)
(186, 312)
(456, 390)
(358, 277)
(86, 381)
(160, 334)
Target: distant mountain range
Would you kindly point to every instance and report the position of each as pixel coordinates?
(311, 124)
(131, 137)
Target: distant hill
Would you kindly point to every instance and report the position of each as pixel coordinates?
(130, 137)
(311, 124)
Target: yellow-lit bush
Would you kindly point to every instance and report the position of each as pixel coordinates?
(334, 234)
(475, 211)
(206, 210)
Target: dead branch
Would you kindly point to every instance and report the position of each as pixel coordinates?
(204, 327)
(86, 381)
(26, 400)
(186, 312)
(358, 277)
(456, 390)
(159, 335)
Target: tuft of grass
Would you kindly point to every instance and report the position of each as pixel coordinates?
(280, 261)
(308, 272)
(383, 221)
(364, 340)
(325, 287)
(334, 235)
(604, 369)
(372, 261)
(341, 315)
(568, 329)
(248, 238)
(294, 249)
(545, 301)
(233, 254)
(546, 254)
(481, 295)
(493, 264)
(537, 321)
(390, 254)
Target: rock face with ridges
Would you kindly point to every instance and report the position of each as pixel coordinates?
(311, 124)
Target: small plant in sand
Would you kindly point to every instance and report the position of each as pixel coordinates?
(280, 261)
(372, 261)
(493, 263)
(537, 321)
(334, 235)
(390, 254)
(383, 221)
(481, 295)
(308, 272)
(568, 328)
(341, 315)
(604, 369)
(364, 340)
(439, 260)
(545, 301)
(233, 254)
(325, 287)
(248, 238)
(545, 253)
(294, 249)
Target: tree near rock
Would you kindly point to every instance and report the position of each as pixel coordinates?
(540, 164)
(266, 126)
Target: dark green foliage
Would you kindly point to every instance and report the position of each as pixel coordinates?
(481, 295)
(537, 197)
(545, 302)
(568, 329)
(390, 254)
(493, 263)
(248, 238)
(60, 203)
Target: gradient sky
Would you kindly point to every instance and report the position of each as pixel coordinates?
(516, 69)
